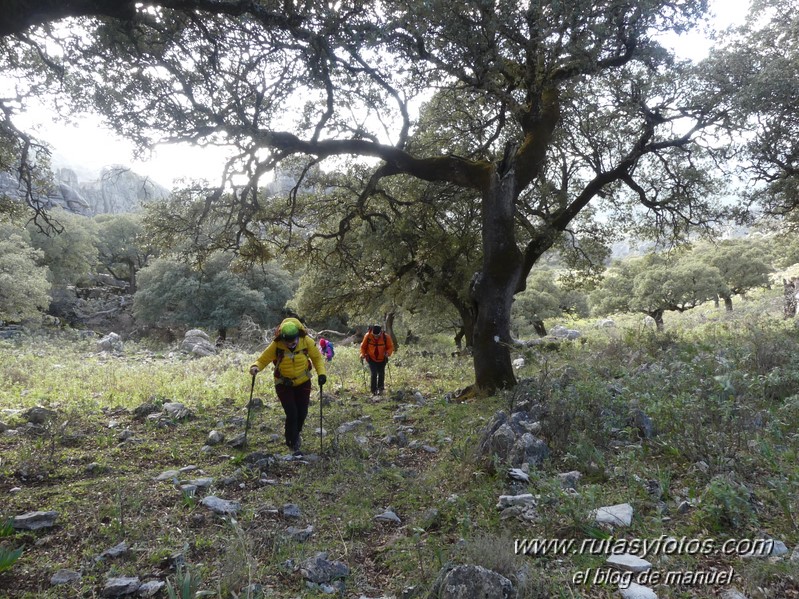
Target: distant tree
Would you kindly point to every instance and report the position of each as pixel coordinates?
(174, 293)
(655, 284)
(122, 247)
(70, 255)
(544, 298)
(742, 265)
(781, 249)
(24, 288)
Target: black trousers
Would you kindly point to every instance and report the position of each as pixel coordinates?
(378, 370)
(295, 401)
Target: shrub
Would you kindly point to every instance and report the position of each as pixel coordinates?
(725, 507)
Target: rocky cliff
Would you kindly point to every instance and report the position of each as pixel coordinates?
(116, 190)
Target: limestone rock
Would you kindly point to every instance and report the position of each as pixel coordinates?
(318, 569)
(636, 591)
(120, 586)
(64, 577)
(469, 581)
(388, 516)
(34, 520)
(615, 515)
(111, 342)
(628, 562)
(221, 506)
(198, 343)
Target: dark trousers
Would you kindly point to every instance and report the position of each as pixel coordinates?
(295, 402)
(378, 370)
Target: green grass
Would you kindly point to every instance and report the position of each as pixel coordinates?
(720, 388)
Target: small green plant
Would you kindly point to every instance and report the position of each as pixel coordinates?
(188, 499)
(8, 557)
(725, 507)
(186, 584)
(6, 528)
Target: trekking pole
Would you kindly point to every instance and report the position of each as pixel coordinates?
(321, 421)
(249, 409)
(363, 373)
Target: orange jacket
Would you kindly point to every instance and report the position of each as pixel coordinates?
(376, 348)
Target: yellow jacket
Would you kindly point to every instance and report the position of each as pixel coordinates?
(292, 367)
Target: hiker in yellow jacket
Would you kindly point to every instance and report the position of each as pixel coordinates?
(292, 352)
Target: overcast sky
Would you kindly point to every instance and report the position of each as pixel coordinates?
(87, 146)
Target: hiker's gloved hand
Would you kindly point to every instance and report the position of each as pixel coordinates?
(253, 370)
(322, 379)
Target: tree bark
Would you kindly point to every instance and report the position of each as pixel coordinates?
(388, 323)
(789, 292)
(494, 287)
(132, 277)
(539, 328)
(459, 338)
(728, 303)
(492, 363)
(658, 316)
(468, 318)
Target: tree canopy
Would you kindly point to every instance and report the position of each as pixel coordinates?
(122, 249)
(553, 113)
(173, 293)
(758, 67)
(655, 284)
(70, 255)
(24, 288)
(741, 264)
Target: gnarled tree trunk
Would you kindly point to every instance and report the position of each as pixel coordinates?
(789, 291)
(467, 318)
(388, 324)
(727, 302)
(494, 287)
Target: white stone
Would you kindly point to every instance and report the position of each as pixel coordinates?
(506, 501)
(636, 591)
(519, 474)
(616, 515)
(629, 562)
(221, 506)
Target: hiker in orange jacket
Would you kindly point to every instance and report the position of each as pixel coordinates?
(376, 347)
(293, 352)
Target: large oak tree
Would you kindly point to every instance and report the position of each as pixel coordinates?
(563, 109)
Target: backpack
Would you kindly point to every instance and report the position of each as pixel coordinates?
(376, 346)
(329, 350)
(281, 353)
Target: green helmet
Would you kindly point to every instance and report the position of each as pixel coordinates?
(289, 330)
